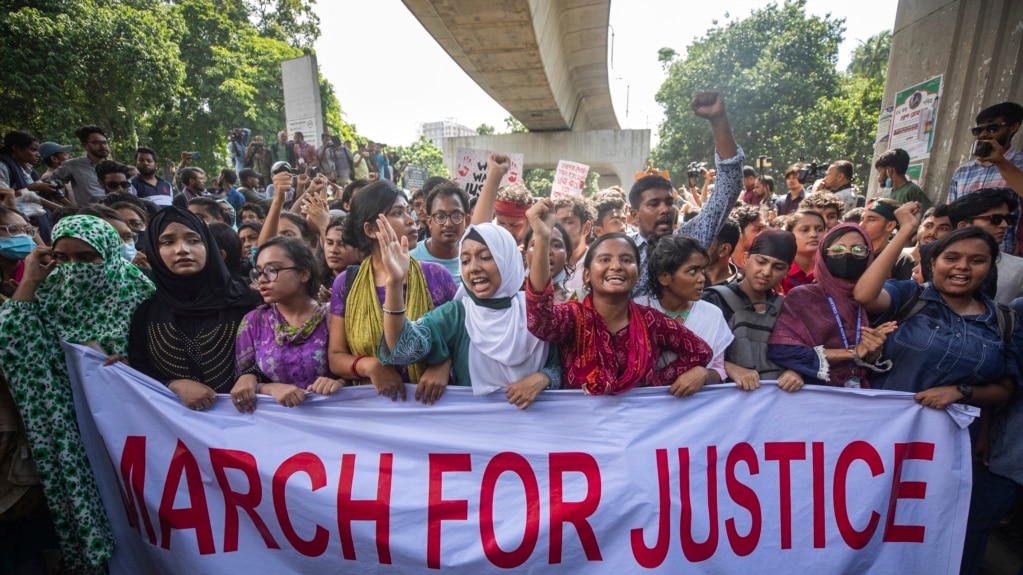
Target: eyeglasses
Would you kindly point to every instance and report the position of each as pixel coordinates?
(18, 229)
(858, 252)
(442, 218)
(136, 224)
(123, 185)
(269, 273)
(987, 128)
(997, 219)
(127, 237)
(98, 143)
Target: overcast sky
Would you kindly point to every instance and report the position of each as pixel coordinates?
(418, 82)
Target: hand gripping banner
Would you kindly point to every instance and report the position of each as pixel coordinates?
(823, 480)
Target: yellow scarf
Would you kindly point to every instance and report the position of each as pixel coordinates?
(364, 322)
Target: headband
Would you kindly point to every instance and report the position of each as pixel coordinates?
(884, 209)
(511, 209)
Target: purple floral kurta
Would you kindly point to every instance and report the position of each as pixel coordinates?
(282, 353)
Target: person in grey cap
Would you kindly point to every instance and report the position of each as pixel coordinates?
(53, 155)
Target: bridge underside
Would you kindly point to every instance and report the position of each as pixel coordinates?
(545, 61)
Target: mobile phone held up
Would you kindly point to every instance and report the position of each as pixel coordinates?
(981, 149)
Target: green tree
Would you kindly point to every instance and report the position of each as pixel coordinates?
(772, 67)
(423, 153)
(870, 58)
(514, 126)
(485, 130)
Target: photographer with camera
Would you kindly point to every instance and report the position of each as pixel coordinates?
(237, 141)
(305, 154)
(997, 163)
(258, 156)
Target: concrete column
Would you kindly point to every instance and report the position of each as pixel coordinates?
(976, 45)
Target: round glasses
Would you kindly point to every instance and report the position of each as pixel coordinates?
(442, 218)
(18, 229)
(858, 252)
(269, 273)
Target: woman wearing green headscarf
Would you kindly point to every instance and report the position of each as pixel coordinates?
(81, 291)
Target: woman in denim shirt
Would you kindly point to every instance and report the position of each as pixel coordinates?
(952, 350)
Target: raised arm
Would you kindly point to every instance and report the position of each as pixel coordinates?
(396, 259)
(282, 184)
(497, 166)
(541, 219)
(869, 291)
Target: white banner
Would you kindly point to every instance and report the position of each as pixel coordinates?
(471, 169)
(822, 480)
(569, 179)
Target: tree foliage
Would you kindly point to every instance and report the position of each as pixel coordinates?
(423, 153)
(785, 98)
(485, 130)
(172, 75)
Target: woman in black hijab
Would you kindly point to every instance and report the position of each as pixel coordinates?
(184, 335)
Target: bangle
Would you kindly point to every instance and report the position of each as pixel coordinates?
(394, 311)
(354, 369)
(855, 356)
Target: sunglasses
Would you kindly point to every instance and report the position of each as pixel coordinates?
(997, 219)
(987, 128)
(122, 185)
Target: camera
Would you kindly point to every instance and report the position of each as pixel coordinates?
(258, 145)
(694, 169)
(813, 172)
(981, 149)
(235, 135)
(58, 185)
(194, 155)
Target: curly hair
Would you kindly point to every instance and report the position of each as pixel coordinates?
(581, 207)
(516, 193)
(822, 201)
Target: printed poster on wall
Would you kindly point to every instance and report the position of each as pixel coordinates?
(471, 169)
(914, 117)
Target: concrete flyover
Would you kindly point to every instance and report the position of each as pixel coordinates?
(545, 61)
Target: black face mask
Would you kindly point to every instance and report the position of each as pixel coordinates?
(846, 267)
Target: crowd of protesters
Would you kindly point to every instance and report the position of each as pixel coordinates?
(303, 268)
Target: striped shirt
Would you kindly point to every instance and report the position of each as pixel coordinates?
(973, 176)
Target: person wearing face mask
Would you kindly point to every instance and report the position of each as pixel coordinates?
(80, 291)
(821, 332)
(16, 242)
(891, 176)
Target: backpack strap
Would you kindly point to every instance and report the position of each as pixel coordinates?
(1006, 323)
(911, 306)
(350, 273)
(736, 303)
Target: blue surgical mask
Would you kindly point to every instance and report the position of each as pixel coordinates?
(128, 252)
(560, 277)
(16, 247)
(252, 255)
(888, 183)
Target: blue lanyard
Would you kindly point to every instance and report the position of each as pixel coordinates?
(841, 328)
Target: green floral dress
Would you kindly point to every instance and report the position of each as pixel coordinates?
(77, 302)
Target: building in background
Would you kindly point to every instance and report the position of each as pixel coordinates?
(448, 128)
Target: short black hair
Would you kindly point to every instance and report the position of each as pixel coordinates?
(434, 181)
(127, 198)
(111, 167)
(209, 205)
(351, 188)
(141, 150)
(748, 172)
(300, 254)
(968, 233)
(968, 207)
(229, 175)
(669, 255)
(896, 158)
(371, 201)
(189, 174)
(845, 168)
(729, 233)
(228, 240)
(84, 132)
(651, 182)
(767, 181)
(1010, 112)
(447, 190)
(252, 207)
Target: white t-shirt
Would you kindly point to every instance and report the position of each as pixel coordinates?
(708, 323)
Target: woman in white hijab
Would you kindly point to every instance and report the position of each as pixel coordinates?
(483, 330)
